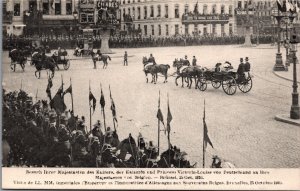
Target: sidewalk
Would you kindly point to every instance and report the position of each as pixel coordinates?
(288, 75)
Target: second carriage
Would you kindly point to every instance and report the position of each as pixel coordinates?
(228, 78)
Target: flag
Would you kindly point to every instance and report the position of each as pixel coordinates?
(69, 90)
(288, 6)
(53, 4)
(102, 100)
(206, 138)
(113, 107)
(280, 6)
(169, 118)
(196, 11)
(92, 98)
(57, 102)
(159, 113)
(49, 86)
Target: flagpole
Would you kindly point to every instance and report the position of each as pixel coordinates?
(103, 112)
(158, 125)
(111, 103)
(72, 96)
(90, 106)
(168, 129)
(21, 84)
(203, 137)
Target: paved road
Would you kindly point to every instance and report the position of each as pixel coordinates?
(241, 127)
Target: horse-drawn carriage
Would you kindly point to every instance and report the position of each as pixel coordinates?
(228, 78)
(62, 59)
(17, 57)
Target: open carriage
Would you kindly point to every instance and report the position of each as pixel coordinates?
(228, 79)
(62, 59)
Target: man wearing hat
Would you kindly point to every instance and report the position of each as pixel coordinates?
(241, 70)
(152, 59)
(194, 61)
(96, 131)
(247, 67)
(186, 61)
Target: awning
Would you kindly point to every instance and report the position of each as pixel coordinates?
(20, 25)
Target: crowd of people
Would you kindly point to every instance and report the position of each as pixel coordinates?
(37, 135)
(134, 41)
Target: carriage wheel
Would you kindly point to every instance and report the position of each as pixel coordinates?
(216, 84)
(246, 85)
(229, 85)
(67, 64)
(202, 85)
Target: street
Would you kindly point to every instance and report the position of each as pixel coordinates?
(241, 127)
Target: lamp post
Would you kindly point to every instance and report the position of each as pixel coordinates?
(295, 110)
(75, 15)
(278, 64)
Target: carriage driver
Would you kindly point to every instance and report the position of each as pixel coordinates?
(186, 61)
(247, 67)
(152, 59)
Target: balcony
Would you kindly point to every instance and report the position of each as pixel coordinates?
(205, 18)
(7, 17)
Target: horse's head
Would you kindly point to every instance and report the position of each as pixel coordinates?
(177, 64)
(145, 60)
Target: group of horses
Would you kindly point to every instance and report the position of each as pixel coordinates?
(183, 70)
(45, 62)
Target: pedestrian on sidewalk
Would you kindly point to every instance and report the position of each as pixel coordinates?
(125, 59)
(194, 63)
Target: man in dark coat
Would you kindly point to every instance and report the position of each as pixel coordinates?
(241, 70)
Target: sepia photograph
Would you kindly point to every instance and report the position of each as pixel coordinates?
(136, 85)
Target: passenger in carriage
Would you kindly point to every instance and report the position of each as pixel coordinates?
(186, 61)
(247, 67)
(218, 67)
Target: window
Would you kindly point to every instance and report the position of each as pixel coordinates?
(222, 9)
(205, 30)
(151, 11)
(222, 30)
(176, 11)
(239, 4)
(86, 17)
(145, 29)
(167, 30)
(186, 29)
(245, 5)
(195, 28)
(186, 9)
(17, 9)
(213, 29)
(145, 13)
(158, 11)
(176, 29)
(204, 9)
(152, 29)
(69, 7)
(32, 6)
(230, 29)
(230, 10)
(214, 8)
(124, 14)
(166, 11)
(133, 13)
(129, 13)
(46, 8)
(139, 26)
(57, 9)
(139, 13)
(159, 30)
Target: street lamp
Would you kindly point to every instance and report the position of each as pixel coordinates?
(278, 64)
(295, 110)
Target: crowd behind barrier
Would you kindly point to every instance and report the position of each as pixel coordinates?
(134, 41)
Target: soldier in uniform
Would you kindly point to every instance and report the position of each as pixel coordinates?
(125, 59)
(194, 61)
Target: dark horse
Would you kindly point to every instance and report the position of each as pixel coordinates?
(188, 72)
(17, 57)
(47, 63)
(154, 69)
(101, 57)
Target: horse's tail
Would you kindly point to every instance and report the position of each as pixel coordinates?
(168, 66)
(109, 57)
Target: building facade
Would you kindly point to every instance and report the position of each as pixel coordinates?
(172, 17)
